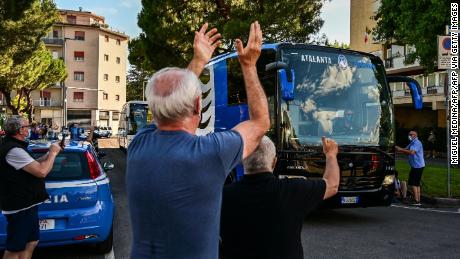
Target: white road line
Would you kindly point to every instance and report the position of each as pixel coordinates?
(426, 209)
(110, 255)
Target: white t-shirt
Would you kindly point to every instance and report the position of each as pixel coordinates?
(18, 158)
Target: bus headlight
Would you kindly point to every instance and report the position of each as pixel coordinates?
(388, 180)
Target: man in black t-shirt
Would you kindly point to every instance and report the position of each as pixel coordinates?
(262, 215)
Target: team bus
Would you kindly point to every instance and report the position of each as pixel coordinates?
(316, 91)
(134, 115)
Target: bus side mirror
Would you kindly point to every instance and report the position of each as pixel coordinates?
(414, 87)
(286, 79)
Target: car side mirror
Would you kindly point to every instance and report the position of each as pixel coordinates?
(414, 87)
(108, 166)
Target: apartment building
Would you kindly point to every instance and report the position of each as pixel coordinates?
(394, 57)
(95, 56)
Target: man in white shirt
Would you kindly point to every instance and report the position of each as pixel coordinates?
(22, 188)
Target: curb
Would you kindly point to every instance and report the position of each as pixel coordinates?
(442, 202)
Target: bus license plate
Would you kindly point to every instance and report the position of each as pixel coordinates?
(46, 224)
(350, 200)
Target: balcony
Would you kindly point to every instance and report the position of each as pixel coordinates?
(426, 91)
(399, 63)
(46, 103)
(53, 41)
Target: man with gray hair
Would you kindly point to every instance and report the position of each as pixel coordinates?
(262, 215)
(174, 178)
(22, 188)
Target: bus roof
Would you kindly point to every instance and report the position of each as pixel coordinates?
(276, 46)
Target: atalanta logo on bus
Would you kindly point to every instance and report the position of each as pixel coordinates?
(342, 61)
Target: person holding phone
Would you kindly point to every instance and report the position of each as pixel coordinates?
(22, 188)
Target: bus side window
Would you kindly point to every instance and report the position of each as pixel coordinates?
(236, 91)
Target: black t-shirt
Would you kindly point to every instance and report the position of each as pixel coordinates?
(262, 215)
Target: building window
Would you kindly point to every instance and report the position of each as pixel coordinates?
(118, 42)
(71, 19)
(118, 60)
(106, 38)
(79, 55)
(105, 96)
(431, 80)
(115, 116)
(79, 76)
(106, 77)
(55, 34)
(55, 54)
(117, 97)
(79, 35)
(106, 57)
(117, 79)
(78, 96)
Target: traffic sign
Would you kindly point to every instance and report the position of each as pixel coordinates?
(444, 54)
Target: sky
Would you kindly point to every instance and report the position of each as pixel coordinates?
(122, 15)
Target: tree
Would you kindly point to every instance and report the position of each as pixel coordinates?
(13, 9)
(168, 26)
(416, 23)
(36, 73)
(22, 26)
(138, 72)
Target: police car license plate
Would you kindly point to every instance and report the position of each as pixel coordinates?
(350, 200)
(46, 224)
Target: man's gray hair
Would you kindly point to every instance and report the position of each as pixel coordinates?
(171, 94)
(262, 158)
(13, 124)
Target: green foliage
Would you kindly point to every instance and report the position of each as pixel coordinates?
(25, 63)
(413, 22)
(13, 9)
(338, 45)
(169, 25)
(434, 178)
(135, 81)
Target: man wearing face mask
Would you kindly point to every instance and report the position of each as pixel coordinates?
(416, 161)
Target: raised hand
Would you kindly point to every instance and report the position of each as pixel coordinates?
(248, 55)
(204, 45)
(330, 147)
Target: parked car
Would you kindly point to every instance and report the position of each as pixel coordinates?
(81, 207)
(103, 132)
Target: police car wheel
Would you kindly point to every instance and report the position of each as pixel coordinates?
(105, 246)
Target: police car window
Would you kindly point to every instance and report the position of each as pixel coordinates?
(67, 166)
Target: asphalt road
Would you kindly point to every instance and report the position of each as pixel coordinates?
(393, 232)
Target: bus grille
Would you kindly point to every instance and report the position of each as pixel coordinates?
(356, 183)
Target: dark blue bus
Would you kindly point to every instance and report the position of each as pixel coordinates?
(314, 91)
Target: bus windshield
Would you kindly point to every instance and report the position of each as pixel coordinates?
(138, 117)
(339, 95)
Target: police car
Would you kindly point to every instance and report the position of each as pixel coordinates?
(81, 207)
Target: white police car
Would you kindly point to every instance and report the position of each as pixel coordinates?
(81, 206)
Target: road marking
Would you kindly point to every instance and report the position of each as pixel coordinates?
(426, 209)
(110, 255)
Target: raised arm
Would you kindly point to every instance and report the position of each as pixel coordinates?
(332, 172)
(204, 45)
(253, 129)
(43, 166)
